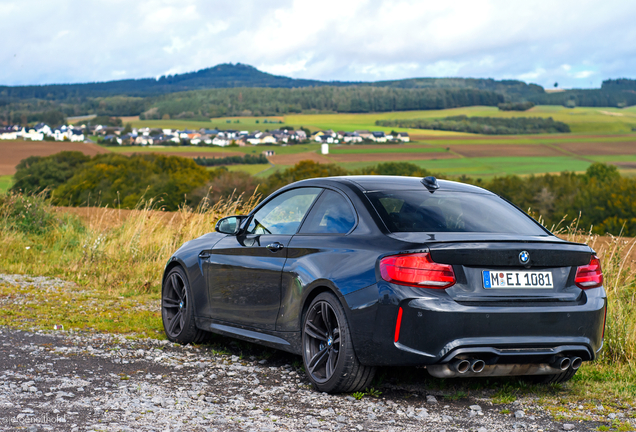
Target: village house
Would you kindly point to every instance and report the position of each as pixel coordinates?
(403, 136)
(378, 137)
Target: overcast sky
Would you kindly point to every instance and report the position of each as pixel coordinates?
(576, 43)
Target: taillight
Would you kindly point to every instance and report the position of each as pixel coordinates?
(589, 276)
(416, 270)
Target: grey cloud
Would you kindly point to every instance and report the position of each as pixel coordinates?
(577, 43)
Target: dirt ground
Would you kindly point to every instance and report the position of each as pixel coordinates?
(489, 150)
(292, 159)
(624, 165)
(600, 148)
(14, 151)
(384, 157)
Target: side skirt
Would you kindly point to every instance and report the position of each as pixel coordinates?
(285, 341)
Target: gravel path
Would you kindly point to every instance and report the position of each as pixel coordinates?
(66, 381)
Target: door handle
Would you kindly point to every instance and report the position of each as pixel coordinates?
(205, 255)
(275, 247)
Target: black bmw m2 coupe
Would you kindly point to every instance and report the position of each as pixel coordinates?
(357, 272)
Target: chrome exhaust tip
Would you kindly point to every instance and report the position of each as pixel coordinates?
(576, 362)
(477, 365)
(562, 363)
(461, 366)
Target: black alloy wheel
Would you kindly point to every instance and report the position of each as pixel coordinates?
(328, 355)
(322, 342)
(177, 312)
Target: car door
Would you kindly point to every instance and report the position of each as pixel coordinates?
(319, 250)
(244, 271)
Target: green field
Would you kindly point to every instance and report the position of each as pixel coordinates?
(5, 183)
(495, 166)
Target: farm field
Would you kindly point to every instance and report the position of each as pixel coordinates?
(599, 135)
(14, 151)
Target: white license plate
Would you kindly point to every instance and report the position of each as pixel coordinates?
(517, 279)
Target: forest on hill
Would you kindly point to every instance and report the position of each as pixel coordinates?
(240, 90)
(600, 198)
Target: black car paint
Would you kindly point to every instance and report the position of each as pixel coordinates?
(438, 323)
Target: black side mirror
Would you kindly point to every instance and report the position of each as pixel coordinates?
(229, 224)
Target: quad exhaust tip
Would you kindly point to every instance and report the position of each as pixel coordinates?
(477, 365)
(576, 362)
(461, 366)
(562, 363)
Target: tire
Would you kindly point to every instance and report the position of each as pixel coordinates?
(330, 361)
(177, 310)
(559, 378)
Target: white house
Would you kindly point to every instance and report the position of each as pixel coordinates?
(351, 137)
(378, 137)
(403, 136)
(268, 139)
(44, 129)
(76, 135)
(33, 135)
(8, 134)
(221, 140)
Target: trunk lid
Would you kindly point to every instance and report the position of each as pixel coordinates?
(476, 258)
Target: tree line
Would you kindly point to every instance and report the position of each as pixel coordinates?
(483, 125)
(600, 198)
(247, 159)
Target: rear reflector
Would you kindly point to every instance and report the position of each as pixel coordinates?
(589, 276)
(398, 324)
(416, 270)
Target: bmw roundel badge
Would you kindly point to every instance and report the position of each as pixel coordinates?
(524, 257)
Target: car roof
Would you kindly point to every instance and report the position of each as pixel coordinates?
(369, 183)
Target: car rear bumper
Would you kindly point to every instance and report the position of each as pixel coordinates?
(436, 329)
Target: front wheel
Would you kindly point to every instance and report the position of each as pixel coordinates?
(177, 310)
(330, 361)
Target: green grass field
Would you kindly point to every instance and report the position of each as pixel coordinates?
(495, 166)
(5, 183)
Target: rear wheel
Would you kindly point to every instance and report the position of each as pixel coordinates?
(177, 310)
(328, 355)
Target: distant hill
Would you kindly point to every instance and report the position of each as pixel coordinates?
(239, 75)
(238, 89)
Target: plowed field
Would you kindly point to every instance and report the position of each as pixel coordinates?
(12, 152)
(600, 148)
(499, 150)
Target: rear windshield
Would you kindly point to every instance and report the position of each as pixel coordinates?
(422, 211)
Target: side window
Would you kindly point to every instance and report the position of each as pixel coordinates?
(332, 214)
(283, 214)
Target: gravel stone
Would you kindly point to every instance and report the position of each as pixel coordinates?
(568, 426)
